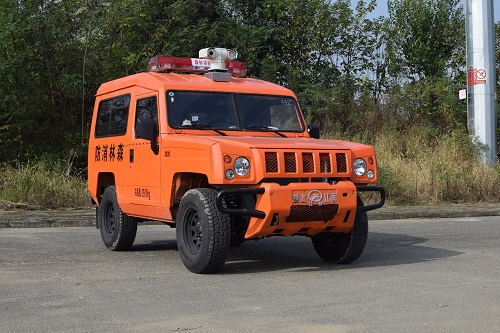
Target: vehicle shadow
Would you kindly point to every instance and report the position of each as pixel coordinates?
(157, 245)
(298, 254)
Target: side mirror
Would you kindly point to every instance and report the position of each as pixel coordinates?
(313, 130)
(146, 129)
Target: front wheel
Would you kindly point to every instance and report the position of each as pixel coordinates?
(341, 248)
(118, 230)
(203, 232)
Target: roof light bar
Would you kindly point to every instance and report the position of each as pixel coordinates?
(166, 63)
(212, 60)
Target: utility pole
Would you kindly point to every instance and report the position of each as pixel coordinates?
(481, 76)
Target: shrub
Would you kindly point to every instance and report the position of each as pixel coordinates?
(419, 167)
(43, 184)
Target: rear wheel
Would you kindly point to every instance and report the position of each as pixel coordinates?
(203, 232)
(118, 230)
(341, 248)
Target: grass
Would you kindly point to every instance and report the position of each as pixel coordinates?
(416, 167)
(43, 185)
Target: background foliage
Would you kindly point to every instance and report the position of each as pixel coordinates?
(362, 78)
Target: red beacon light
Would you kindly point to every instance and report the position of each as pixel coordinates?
(207, 63)
(236, 68)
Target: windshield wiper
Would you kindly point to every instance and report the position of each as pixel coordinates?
(204, 126)
(265, 128)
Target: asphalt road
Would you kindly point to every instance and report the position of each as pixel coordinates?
(428, 275)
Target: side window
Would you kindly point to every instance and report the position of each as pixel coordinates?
(146, 109)
(112, 116)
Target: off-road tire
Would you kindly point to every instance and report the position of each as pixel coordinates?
(203, 232)
(118, 230)
(343, 248)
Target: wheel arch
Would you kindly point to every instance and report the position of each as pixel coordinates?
(183, 182)
(104, 180)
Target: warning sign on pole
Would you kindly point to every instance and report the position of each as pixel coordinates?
(481, 76)
(476, 76)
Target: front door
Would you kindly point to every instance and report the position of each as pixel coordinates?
(144, 158)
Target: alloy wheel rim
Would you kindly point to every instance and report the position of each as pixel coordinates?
(193, 231)
(109, 221)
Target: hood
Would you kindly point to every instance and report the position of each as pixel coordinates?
(285, 143)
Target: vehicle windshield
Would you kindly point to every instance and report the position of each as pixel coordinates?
(228, 111)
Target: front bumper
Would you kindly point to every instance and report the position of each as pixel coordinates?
(300, 208)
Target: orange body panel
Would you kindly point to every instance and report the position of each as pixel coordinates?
(150, 185)
(278, 200)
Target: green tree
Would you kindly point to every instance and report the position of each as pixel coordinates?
(55, 54)
(40, 91)
(427, 37)
(350, 73)
(317, 48)
(426, 56)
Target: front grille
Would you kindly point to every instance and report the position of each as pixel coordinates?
(323, 213)
(323, 164)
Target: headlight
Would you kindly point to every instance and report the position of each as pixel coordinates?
(241, 166)
(359, 167)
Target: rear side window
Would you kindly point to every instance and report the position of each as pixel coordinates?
(112, 116)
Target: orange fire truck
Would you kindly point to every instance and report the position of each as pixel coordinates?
(222, 158)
